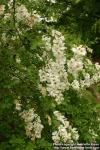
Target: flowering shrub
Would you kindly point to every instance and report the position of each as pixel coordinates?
(46, 89)
(65, 132)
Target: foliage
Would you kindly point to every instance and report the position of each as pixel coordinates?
(28, 31)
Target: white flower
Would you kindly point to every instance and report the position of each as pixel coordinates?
(36, 17)
(87, 80)
(75, 134)
(80, 51)
(22, 13)
(18, 104)
(47, 41)
(54, 72)
(69, 137)
(75, 85)
(97, 66)
(38, 128)
(61, 118)
(33, 124)
(74, 66)
(64, 132)
(28, 116)
(82, 84)
(88, 62)
(56, 33)
(55, 137)
(89, 50)
(96, 77)
(29, 126)
(42, 89)
(66, 124)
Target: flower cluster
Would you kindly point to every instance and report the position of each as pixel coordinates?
(30, 19)
(54, 72)
(47, 41)
(85, 73)
(32, 121)
(75, 85)
(88, 78)
(58, 74)
(65, 132)
(76, 64)
(21, 14)
(33, 124)
(79, 51)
